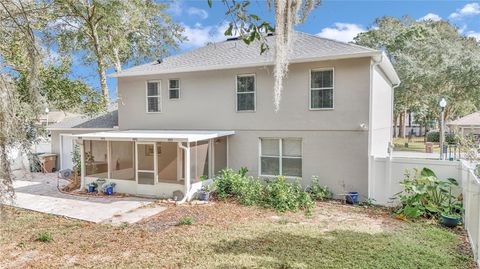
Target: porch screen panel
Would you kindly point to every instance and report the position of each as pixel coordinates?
(220, 154)
(167, 160)
(198, 160)
(96, 158)
(122, 160)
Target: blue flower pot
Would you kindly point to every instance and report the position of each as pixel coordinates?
(109, 190)
(90, 188)
(352, 198)
(449, 221)
(203, 196)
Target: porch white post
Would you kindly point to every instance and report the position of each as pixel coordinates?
(109, 163)
(187, 169)
(82, 165)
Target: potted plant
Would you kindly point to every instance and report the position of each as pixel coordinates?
(451, 214)
(204, 193)
(92, 186)
(108, 187)
(100, 183)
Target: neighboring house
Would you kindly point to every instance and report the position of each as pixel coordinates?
(190, 115)
(53, 117)
(62, 141)
(469, 124)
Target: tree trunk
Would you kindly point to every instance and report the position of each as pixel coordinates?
(100, 62)
(401, 129)
(395, 126)
(117, 64)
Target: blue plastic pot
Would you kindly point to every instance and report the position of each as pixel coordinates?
(203, 196)
(352, 198)
(449, 221)
(109, 190)
(91, 188)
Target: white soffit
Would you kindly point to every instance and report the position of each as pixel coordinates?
(155, 135)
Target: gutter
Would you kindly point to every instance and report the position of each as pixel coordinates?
(187, 173)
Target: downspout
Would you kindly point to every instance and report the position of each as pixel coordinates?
(186, 152)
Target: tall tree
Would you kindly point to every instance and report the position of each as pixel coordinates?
(115, 32)
(433, 61)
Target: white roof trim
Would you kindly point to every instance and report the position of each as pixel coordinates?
(155, 135)
(235, 66)
(80, 129)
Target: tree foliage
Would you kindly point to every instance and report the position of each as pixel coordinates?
(112, 33)
(433, 61)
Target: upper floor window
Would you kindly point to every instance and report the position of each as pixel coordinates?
(154, 96)
(174, 89)
(246, 93)
(281, 156)
(321, 89)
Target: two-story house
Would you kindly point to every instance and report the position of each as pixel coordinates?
(193, 114)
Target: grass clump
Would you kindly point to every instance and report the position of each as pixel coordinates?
(186, 220)
(44, 237)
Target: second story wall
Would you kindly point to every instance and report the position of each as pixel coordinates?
(208, 100)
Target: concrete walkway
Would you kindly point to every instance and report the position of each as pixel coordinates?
(39, 192)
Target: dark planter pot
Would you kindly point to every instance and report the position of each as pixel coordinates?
(352, 198)
(203, 196)
(449, 221)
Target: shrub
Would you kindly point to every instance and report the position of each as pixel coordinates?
(425, 195)
(187, 220)
(286, 196)
(44, 237)
(319, 192)
(452, 138)
(433, 136)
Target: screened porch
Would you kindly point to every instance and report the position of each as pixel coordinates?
(153, 163)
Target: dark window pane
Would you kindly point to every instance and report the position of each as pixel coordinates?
(292, 167)
(246, 84)
(153, 104)
(174, 84)
(322, 79)
(174, 94)
(322, 98)
(270, 166)
(245, 101)
(152, 88)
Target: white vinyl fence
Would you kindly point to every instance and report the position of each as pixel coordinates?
(387, 173)
(471, 203)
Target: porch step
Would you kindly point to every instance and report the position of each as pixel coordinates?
(134, 216)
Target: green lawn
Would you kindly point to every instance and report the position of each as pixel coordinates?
(415, 144)
(231, 236)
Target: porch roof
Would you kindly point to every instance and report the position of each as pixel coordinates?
(155, 135)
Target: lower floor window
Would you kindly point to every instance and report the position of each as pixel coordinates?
(281, 156)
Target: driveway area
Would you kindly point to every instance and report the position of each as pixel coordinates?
(38, 192)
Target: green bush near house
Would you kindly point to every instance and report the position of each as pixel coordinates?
(276, 193)
(433, 136)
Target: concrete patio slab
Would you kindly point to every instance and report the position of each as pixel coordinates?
(39, 192)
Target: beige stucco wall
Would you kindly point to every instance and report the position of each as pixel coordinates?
(335, 147)
(382, 113)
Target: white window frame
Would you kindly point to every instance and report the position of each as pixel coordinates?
(254, 93)
(159, 96)
(174, 89)
(310, 89)
(280, 156)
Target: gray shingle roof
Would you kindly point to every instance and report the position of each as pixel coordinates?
(105, 120)
(235, 53)
(469, 120)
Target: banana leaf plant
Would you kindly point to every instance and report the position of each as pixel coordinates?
(425, 195)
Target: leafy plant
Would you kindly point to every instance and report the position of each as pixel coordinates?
(319, 192)
(186, 220)
(433, 136)
(368, 202)
(44, 237)
(243, 171)
(286, 196)
(76, 160)
(424, 194)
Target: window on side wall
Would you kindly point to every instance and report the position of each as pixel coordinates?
(174, 89)
(321, 89)
(246, 93)
(154, 97)
(281, 156)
